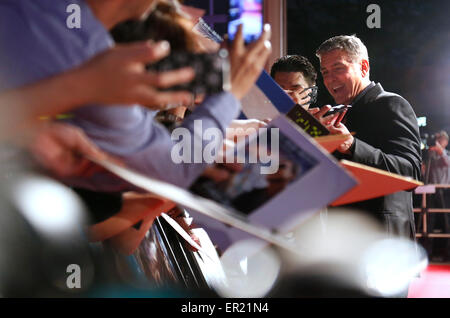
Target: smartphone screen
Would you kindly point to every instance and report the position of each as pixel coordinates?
(249, 13)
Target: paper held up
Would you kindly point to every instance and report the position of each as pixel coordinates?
(373, 183)
(197, 203)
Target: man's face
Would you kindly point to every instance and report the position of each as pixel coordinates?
(342, 78)
(293, 83)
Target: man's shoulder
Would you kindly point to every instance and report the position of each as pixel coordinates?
(389, 100)
(382, 105)
(392, 97)
(382, 96)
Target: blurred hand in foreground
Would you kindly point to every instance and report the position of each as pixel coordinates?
(119, 76)
(62, 149)
(247, 63)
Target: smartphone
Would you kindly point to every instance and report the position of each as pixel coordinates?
(212, 71)
(337, 109)
(249, 13)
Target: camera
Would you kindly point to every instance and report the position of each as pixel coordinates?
(212, 71)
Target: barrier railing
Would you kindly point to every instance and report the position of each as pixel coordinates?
(424, 210)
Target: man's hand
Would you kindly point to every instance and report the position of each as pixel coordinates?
(248, 63)
(62, 149)
(319, 112)
(342, 130)
(119, 76)
(135, 207)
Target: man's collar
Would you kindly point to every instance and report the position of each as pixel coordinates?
(363, 93)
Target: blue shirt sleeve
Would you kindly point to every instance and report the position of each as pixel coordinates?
(153, 156)
(35, 43)
(155, 160)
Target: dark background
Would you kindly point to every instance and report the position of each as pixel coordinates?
(409, 55)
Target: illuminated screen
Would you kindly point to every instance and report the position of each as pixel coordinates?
(250, 14)
(422, 121)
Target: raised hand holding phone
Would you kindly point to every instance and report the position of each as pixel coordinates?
(331, 118)
(319, 113)
(328, 115)
(247, 62)
(337, 109)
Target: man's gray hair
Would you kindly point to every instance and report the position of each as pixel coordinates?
(352, 45)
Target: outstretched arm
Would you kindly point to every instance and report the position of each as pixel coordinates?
(117, 76)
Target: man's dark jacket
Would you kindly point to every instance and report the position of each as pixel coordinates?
(387, 137)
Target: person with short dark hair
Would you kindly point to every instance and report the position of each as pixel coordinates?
(295, 74)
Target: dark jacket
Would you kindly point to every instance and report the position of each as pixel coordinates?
(387, 137)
